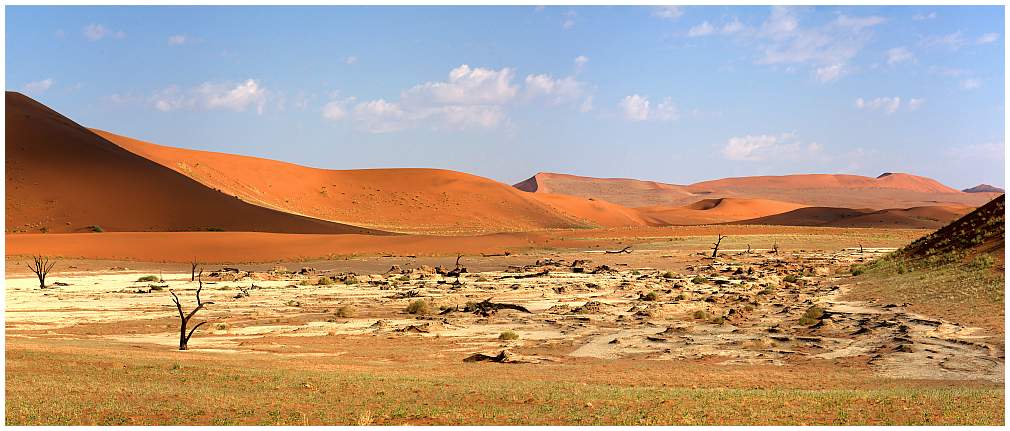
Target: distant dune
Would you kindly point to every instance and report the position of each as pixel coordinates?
(890, 190)
(60, 177)
(983, 188)
(402, 200)
(930, 217)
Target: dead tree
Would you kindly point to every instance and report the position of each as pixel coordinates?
(860, 248)
(41, 267)
(715, 245)
(623, 250)
(748, 248)
(775, 248)
(184, 318)
(192, 269)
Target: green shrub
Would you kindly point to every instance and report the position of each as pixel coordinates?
(806, 321)
(856, 270)
(147, 278)
(814, 312)
(419, 306)
(700, 314)
(717, 321)
(668, 275)
(215, 229)
(508, 335)
(699, 280)
(345, 311)
(96, 228)
(679, 297)
(791, 278)
(324, 281)
(651, 296)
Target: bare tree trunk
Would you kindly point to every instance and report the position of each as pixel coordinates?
(184, 318)
(192, 269)
(715, 248)
(41, 267)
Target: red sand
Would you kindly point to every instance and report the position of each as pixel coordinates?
(826, 190)
(60, 177)
(931, 217)
(401, 200)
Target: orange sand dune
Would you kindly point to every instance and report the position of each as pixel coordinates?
(840, 191)
(710, 211)
(621, 191)
(402, 200)
(60, 177)
(593, 211)
(930, 217)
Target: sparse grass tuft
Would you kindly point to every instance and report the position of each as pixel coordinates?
(651, 296)
(699, 280)
(147, 278)
(345, 311)
(791, 278)
(419, 306)
(508, 336)
(700, 314)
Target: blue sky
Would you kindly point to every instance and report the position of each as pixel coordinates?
(677, 94)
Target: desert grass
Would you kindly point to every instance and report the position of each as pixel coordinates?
(52, 387)
(966, 290)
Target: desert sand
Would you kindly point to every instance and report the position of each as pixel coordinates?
(60, 177)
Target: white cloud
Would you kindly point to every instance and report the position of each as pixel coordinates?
(767, 147)
(471, 97)
(899, 55)
(556, 90)
(379, 116)
(336, 110)
(971, 84)
(587, 104)
(924, 17)
(178, 39)
(668, 12)
(986, 151)
(827, 48)
(569, 21)
(94, 32)
(350, 59)
(466, 86)
(889, 105)
(580, 62)
(666, 111)
(635, 107)
(702, 29)
(952, 41)
(829, 73)
(858, 23)
(639, 108)
(732, 27)
(987, 38)
(234, 97)
(914, 103)
(39, 86)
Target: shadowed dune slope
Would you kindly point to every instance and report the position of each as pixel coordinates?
(930, 217)
(980, 231)
(890, 190)
(403, 200)
(60, 177)
(721, 210)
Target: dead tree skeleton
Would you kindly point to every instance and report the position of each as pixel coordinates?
(41, 267)
(184, 318)
(192, 269)
(623, 250)
(715, 245)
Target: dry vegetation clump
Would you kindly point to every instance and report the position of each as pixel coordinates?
(508, 336)
(345, 311)
(419, 306)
